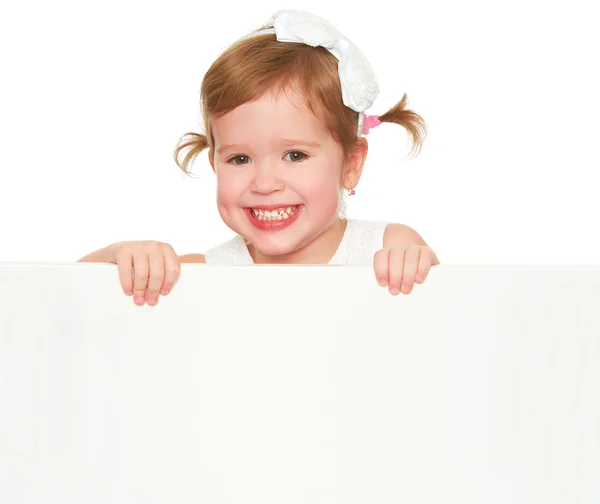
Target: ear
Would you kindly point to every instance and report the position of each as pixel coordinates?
(354, 163)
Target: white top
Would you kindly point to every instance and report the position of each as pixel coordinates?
(358, 246)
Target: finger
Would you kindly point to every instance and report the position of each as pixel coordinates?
(411, 262)
(172, 270)
(380, 265)
(396, 267)
(156, 276)
(125, 264)
(426, 259)
(140, 277)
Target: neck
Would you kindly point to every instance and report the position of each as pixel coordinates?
(318, 251)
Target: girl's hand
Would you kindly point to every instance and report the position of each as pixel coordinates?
(146, 269)
(400, 267)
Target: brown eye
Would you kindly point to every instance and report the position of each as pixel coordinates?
(295, 156)
(241, 159)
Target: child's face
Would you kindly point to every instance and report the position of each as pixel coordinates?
(274, 155)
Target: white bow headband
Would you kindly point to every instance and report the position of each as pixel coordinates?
(359, 84)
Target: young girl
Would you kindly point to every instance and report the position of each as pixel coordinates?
(283, 109)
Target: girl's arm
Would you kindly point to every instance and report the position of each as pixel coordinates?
(398, 235)
(106, 254)
(192, 258)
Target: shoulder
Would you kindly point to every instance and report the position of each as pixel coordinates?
(192, 258)
(398, 234)
(231, 252)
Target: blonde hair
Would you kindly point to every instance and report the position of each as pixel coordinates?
(256, 65)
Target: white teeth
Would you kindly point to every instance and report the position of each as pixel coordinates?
(279, 214)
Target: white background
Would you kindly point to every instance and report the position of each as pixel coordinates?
(94, 96)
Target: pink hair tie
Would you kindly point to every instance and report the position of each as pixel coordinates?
(370, 122)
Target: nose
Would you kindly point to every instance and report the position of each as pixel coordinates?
(266, 179)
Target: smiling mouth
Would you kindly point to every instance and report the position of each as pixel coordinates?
(275, 214)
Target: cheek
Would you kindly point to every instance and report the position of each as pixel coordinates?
(229, 188)
(330, 178)
(323, 189)
(326, 191)
(228, 194)
(223, 194)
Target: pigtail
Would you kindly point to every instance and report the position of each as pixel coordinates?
(413, 123)
(194, 143)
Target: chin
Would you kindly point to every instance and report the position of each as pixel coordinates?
(274, 247)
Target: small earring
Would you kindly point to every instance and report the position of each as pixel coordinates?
(351, 192)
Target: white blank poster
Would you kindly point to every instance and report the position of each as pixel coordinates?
(298, 385)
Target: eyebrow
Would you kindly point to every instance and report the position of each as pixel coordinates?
(232, 147)
(286, 142)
